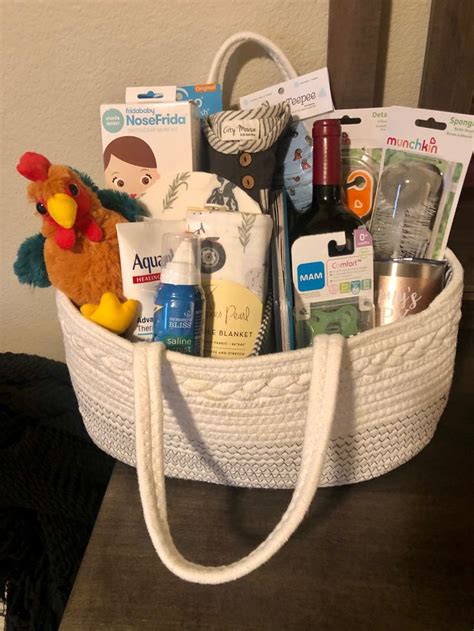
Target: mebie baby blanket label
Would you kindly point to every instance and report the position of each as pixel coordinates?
(141, 141)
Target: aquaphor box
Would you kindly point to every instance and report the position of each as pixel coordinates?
(141, 141)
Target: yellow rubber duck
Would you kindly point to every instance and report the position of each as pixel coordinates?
(111, 313)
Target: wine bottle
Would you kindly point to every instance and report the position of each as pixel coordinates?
(332, 275)
(328, 212)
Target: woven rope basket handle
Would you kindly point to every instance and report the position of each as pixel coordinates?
(234, 41)
(327, 352)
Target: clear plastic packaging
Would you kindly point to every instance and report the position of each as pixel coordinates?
(407, 203)
(425, 159)
(347, 317)
(181, 258)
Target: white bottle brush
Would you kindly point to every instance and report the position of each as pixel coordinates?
(407, 203)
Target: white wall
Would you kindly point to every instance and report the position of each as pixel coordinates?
(406, 51)
(61, 59)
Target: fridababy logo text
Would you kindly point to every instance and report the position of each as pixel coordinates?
(428, 146)
(156, 119)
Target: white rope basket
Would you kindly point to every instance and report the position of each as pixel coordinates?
(341, 412)
(344, 411)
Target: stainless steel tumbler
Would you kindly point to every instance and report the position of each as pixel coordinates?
(405, 286)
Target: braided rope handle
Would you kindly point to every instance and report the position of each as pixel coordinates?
(233, 42)
(327, 352)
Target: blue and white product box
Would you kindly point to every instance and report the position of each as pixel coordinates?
(333, 291)
(206, 96)
(143, 140)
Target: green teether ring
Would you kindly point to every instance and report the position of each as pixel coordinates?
(343, 320)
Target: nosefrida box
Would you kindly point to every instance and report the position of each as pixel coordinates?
(141, 141)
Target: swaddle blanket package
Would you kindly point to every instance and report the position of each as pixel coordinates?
(234, 266)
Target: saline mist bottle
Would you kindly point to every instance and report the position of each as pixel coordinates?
(179, 314)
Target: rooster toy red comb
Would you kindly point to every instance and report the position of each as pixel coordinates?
(33, 166)
(60, 198)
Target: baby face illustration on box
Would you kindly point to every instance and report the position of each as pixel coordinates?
(130, 166)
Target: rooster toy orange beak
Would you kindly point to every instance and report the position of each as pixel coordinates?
(63, 209)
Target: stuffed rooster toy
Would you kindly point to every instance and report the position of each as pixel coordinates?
(77, 250)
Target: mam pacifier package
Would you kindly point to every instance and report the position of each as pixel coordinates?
(333, 286)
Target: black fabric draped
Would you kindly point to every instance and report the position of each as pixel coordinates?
(52, 480)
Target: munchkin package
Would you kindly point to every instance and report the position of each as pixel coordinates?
(424, 164)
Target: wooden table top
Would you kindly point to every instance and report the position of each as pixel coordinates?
(391, 554)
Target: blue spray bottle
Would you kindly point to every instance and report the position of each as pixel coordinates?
(178, 319)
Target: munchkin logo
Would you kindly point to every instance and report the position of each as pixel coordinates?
(311, 276)
(428, 146)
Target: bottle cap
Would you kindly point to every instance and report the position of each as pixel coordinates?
(327, 127)
(182, 259)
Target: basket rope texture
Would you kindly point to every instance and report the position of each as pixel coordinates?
(242, 422)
